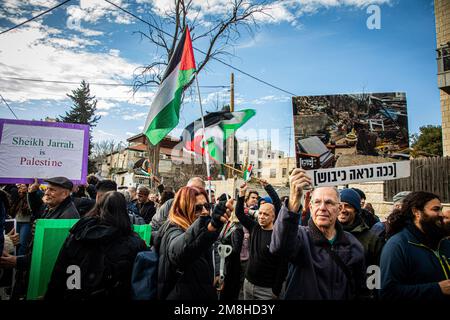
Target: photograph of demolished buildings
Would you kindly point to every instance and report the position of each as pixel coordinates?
(350, 129)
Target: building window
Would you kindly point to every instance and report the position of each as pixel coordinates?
(259, 164)
(284, 172)
(273, 173)
(260, 154)
(259, 174)
(444, 59)
(252, 152)
(241, 151)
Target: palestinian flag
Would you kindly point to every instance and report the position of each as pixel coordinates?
(248, 173)
(165, 108)
(218, 127)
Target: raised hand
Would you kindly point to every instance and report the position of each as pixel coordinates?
(298, 180)
(243, 189)
(221, 214)
(35, 186)
(263, 183)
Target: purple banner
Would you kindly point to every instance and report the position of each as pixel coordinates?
(43, 150)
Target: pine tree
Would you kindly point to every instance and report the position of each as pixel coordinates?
(428, 142)
(83, 112)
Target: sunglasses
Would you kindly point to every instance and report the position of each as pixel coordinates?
(199, 207)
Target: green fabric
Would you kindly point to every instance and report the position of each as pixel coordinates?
(331, 241)
(168, 117)
(49, 237)
(240, 118)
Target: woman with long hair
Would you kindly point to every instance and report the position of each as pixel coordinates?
(185, 244)
(103, 245)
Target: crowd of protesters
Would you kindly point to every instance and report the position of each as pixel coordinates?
(315, 244)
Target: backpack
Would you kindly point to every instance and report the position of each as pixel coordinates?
(100, 276)
(144, 277)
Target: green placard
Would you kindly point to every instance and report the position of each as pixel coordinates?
(49, 237)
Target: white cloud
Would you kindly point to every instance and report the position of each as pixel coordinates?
(257, 39)
(114, 52)
(17, 11)
(312, 6)
(140, 115)
(270, 99)
(102, 113)
(130, 133)
(86, 32)
(105, 105)
(71, 43)
(92, 11)
(141, 128)
(276, 11)
(103, 133)
(36, 51)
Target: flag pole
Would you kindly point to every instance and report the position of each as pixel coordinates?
(205, 141)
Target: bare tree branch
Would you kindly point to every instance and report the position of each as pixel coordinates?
(223, 31)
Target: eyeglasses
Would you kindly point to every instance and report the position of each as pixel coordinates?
(199, 207)
(328, 203)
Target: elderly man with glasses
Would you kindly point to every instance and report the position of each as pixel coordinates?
(326, 262)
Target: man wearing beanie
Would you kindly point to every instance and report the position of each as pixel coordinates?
(350, 218)
(369, 216)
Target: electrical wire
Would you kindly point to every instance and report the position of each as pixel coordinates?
(8, 106)
(35, 17)
(95, 83)
(201, 51)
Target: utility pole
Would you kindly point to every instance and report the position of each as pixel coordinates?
(232, 93)
(290, 139)
(230, 141)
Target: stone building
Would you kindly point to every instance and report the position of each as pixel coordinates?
(442, 13)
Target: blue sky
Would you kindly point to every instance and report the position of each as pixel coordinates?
(307, 47)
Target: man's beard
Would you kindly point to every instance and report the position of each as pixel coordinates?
(433, 227)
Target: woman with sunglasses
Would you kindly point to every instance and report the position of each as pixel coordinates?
(185, 243)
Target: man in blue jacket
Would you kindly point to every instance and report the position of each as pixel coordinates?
(415, 262)
(326, 262)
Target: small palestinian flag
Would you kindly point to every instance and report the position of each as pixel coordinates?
(165, 108)
(248, 173)
(218, 127)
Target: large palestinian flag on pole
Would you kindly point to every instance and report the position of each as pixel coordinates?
(218, 127)
(165, 108)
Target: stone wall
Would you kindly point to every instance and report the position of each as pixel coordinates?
(374, 195)
(442, 12)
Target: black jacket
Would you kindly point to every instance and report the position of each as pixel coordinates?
(186, 270)
(411, 269)
(369, 218)
(313, 273)
(66, 209)
(147, 210)
(160, 217)
(264, 268)
(371, 243)
(231, 234)
(105, 257)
